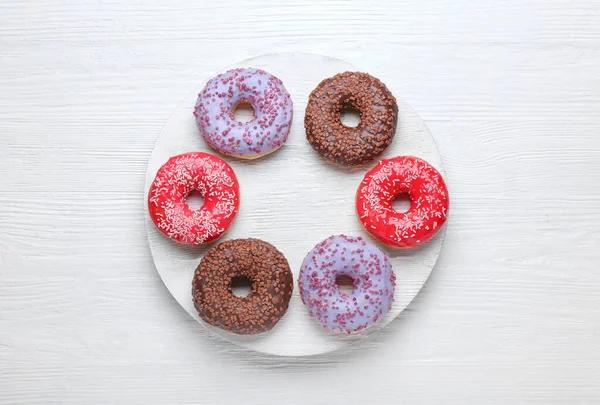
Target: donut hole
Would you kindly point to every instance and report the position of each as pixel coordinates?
(241, 286)
(194, 199)
(401, 203)
(243, 112)
(345, 284)
(349, 117)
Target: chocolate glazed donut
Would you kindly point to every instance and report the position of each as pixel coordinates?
(374, 103)
(268, 272)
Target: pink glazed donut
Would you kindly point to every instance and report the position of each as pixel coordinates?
(373, 280)
(273, 111)
(203, 172)
(428, 201)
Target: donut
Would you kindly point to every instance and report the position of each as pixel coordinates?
(203, 172)
(273, 111)
(269, 274)
(428, 201)
(378, 118)
(373, 281)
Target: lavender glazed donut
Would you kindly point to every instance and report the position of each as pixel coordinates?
(273, 111)
(373, 281)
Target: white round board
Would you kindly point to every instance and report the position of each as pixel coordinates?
(293, 199)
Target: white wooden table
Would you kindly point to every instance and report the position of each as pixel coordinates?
(511, 91)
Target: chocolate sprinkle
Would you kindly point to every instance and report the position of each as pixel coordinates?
(378, 118)
(268, 272)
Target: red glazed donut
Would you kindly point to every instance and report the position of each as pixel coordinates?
(203, 172)
(428, 201)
